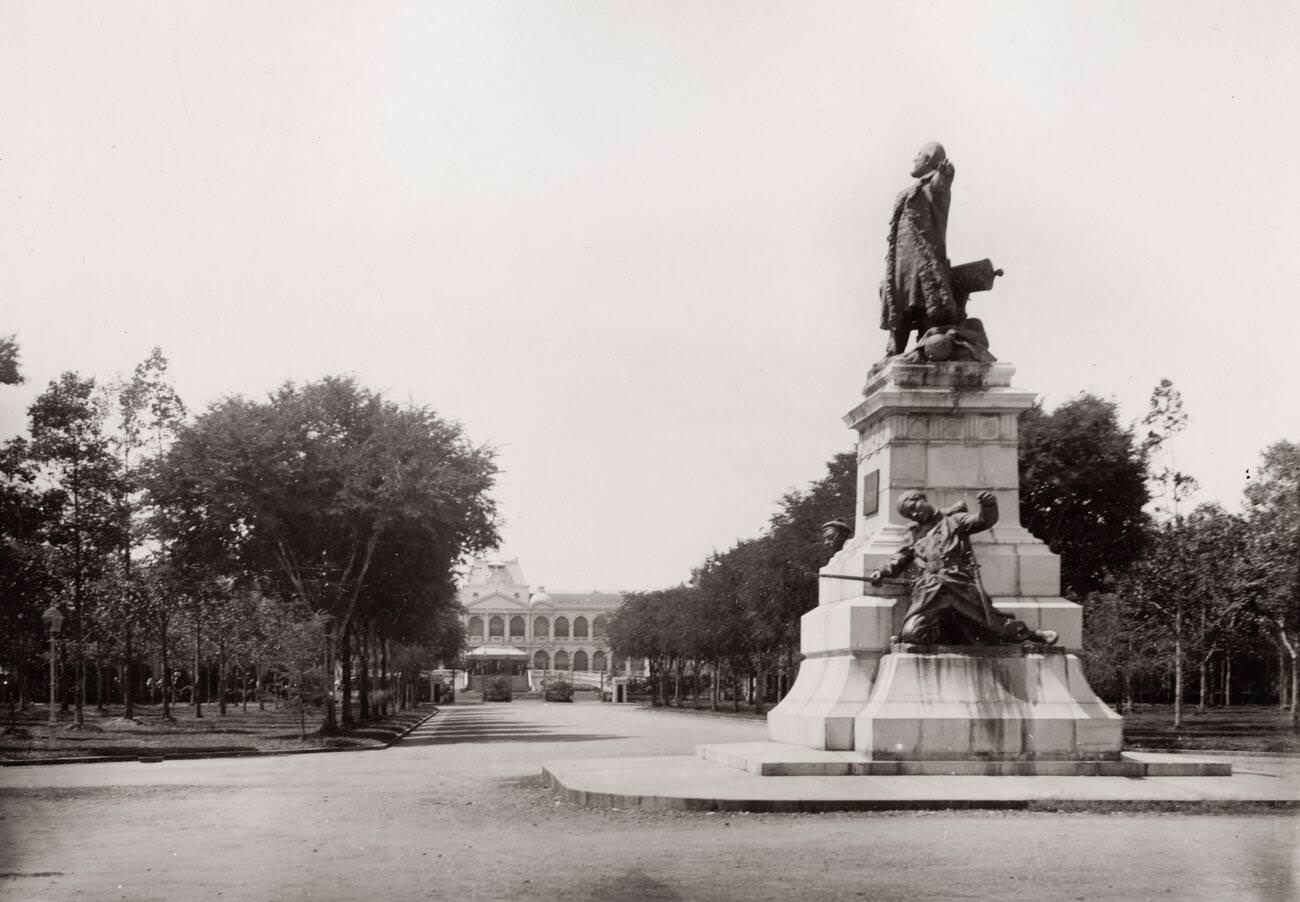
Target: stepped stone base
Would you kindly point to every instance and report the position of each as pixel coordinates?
(775, 759)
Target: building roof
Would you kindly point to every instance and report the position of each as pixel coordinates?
(585, 599)
(495, 572)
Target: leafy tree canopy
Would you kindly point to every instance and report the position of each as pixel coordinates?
(1083, 484)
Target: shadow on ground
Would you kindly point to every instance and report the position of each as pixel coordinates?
(450, 737)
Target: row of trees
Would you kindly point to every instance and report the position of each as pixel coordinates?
(1212, 605)
(260, 544)
(1164, 593)
(737, 621)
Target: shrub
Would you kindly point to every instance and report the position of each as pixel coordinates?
(498, 690)
(559, 691)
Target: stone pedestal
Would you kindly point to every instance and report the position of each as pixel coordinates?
(994, 704)
(951, 430)
(842, 645)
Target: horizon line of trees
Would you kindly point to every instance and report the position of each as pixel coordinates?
(1164, 594)
(256, 548)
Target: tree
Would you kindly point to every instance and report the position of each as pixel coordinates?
(786, 585)
(740, 613)
(1164, 420)
(26, 580)
(10, 369)
(1190, 593)
(317, 489)
(150, 413)
(68, 441)
(1273, 515)
(639, 630)
(1082, 490)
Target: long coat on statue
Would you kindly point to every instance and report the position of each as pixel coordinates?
(917, 290)
(948, 603)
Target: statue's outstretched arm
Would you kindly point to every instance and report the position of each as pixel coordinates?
(984, 518)
(897, 564)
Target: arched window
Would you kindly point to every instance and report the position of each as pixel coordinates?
(476, 627)
(561, 660)
(516, 627)
(600, 626)
(579, 627)
(496, 627)
(541, 628)
(580, 660)
(541, 661)
(561, 629)
(598, 661)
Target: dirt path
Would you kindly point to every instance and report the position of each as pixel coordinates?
(458, 812)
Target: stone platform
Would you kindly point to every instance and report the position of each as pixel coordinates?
(686, 783)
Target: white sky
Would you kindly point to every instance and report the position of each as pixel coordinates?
(636, 246)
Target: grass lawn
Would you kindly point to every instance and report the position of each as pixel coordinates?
(1245, 728)
(28, 735)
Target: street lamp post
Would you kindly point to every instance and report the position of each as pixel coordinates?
(53, 618)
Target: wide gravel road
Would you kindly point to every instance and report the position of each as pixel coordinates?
(457, 811)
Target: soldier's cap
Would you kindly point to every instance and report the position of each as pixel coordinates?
(839, 524)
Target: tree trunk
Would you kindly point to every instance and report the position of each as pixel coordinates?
(166, 676)
(79, 680)
(197, 684)
(696, 666)
(1178, 667)
(128, 675)
(24, 698)
(1204, 687)
(363, 647)
(386, 677)
(1225, 674)
(331, 723)
(221, 678)
(345, 660)
(1281, 676)
(713, 688)
(1295, 673)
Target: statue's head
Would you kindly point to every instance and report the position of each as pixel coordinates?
(835, 533)
(928, 158)
(915, 506)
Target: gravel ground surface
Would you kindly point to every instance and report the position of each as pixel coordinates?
(457, 811)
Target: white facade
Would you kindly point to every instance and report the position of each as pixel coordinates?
(563, 632)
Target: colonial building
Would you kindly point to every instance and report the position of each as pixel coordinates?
(564, 632)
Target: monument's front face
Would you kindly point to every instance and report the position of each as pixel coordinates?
(950, 430)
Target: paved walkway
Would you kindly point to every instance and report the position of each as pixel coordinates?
(458, 811)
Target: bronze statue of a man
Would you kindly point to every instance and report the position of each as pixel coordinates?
(835, 533)
(949, 606)
(917, 293)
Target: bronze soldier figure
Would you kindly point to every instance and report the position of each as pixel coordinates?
(949, 606)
